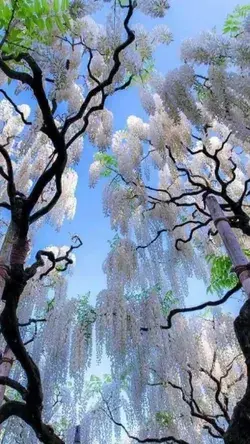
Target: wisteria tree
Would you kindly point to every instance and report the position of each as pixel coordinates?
(197, 139)
(173, 385)
(54, 53)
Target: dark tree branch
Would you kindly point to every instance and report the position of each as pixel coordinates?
(189, 238)
(15, 75)
(244, 194)
(49, 128)
(31, 321)
(124, 85)
(239, 428)
(31, 410)
(33, 337)
(108, 81)
(9, 177)
(24, 213)
(43, 432)
(5, 205)
(11, 408)
(15, 107)
(211, 433)
(195, 411)
(170, 439)
(4, 380)
(176, 311)
(159, 232)
(202, 187)
(217, 393)
(31, 271)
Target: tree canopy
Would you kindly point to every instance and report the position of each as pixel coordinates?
(173, 378)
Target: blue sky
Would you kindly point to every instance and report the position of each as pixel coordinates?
(186, 18)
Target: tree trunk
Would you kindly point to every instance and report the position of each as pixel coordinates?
(238, 258)
(7, 356)
(77, 439)
(5, 251)
(238, 431)
(239, 428)
(29, 411)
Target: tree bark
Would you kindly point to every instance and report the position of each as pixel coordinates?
(230, 242)
(77, 439)
(239, 428)
(29, 411)
(7, 355)
(238, 431)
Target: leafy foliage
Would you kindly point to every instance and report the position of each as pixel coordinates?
(164, 418)
(222, 277)
(108, 163)
(234, 21)
(113, 243)
(12, 394)
(23, 22)
(50, 305)
(61, 425)
(145, 293)
(86, 315)
(145, 74)
(168, 301)
(95, 384)
(202, 92)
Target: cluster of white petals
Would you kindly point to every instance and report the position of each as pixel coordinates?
(155, 8)
(152, 195)
(151, 369)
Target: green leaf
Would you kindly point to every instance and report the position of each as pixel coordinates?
(45, 6)
(86, 315)
(59, 24)
(235, 20)
(28, 22)
(114, 242)
(168, 301)
(107, 378)
(40, 24)
(37, 7)
(145, 293)
(67, 20)
(5, 13)
(109, 163)
(221, 276)
(65, 5)
(106, 173)
(145, 72)
(164, 418)
(56, 5)
(15, 34)
(106, 159)
(49, 24)
(50, 305)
